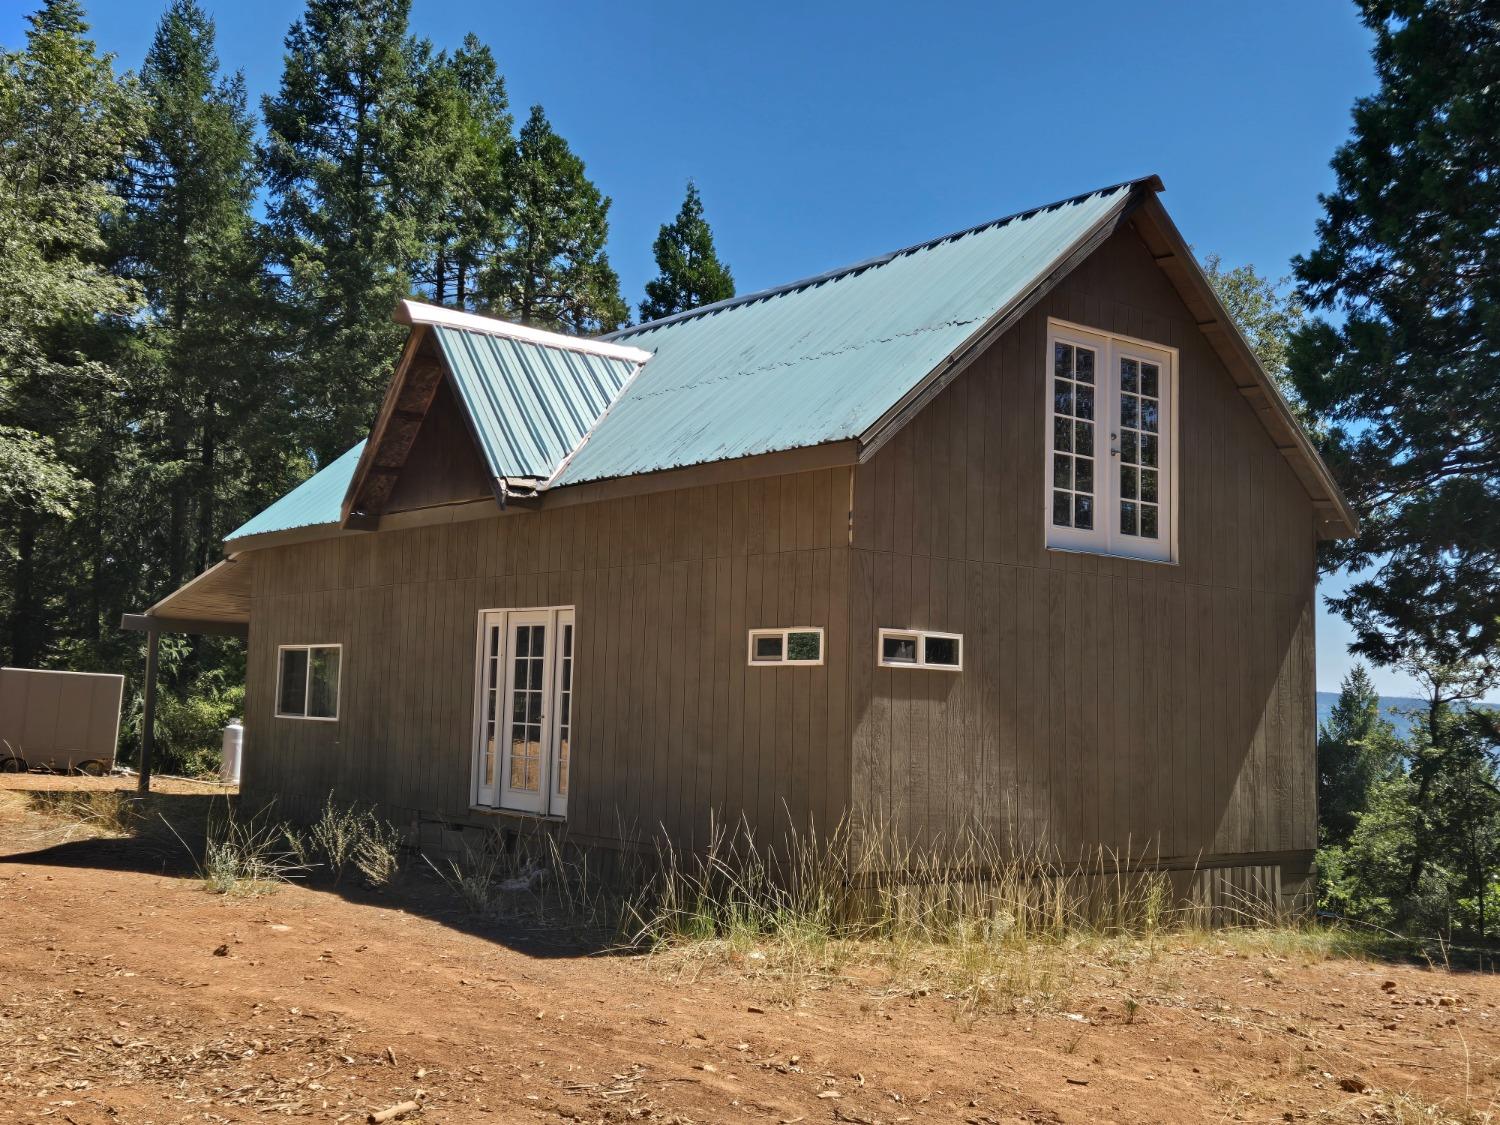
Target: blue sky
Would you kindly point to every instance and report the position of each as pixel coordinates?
(823, 133)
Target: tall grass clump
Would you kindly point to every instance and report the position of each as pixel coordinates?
(246, 857)
(98, 812)
(348, 836)
(959, 913)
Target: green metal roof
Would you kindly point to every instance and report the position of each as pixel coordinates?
(816, 361)
(317, 500)
(822, 360)
(530, 404)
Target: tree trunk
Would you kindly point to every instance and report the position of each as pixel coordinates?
(24, 643)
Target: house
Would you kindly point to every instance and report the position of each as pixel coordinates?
(1005, 529)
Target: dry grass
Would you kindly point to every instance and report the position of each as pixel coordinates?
(962, 917)
(106, 813)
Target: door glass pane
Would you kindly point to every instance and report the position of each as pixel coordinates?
(564, 711)
(1072, 434)
(1083, 511)
(1140, 417)
(492, 695)
(526, 708)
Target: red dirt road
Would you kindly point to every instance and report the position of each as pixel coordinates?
(134, 996)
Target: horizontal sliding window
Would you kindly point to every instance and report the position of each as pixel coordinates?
(1110, 439)
(797, 645)
(307, 681)
(920, 648)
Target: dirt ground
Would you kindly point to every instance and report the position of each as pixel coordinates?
(132, 995)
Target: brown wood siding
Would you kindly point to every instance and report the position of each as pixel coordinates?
(670, 724)
(1164, 709)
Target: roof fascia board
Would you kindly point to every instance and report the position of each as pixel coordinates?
(1178, 262)
(911, 404)
(150, 622)
(371, 450)
(415, 313)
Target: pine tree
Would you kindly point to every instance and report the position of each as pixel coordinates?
(338, 131)
(201, 379)
(690, 274)
(555, 273)
(457, 171)
(1407, 380)
(1356, 748)
(65, 123)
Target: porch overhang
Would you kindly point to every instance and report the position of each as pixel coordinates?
(216, 603)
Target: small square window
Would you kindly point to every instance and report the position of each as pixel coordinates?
(769, 648)
(898, 648)
(916, 648)
(804, 647)
(801, 645)
(939, 650)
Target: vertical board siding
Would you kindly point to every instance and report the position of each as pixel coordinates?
(673, 731)
(1164, 710)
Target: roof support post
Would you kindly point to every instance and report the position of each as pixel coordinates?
(148, 709)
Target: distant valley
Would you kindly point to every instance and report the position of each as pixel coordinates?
(1395, 708)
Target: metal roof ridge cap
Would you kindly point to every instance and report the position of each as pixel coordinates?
(1152, 181)
(418, 312)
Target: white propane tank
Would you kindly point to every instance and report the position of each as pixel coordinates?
(234, 744)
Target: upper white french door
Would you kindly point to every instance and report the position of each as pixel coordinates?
(523, 714)
(1111, 444)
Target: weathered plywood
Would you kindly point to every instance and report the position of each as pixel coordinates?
(672, 730)
(1160, 709)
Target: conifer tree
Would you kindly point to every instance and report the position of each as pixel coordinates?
(690, 274)
(1405, 376)
(1356, 748)
(65, 123)
(338, 130)
(200, 379)
(555, 273)
(457, 171)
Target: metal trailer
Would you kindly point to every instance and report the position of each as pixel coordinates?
(59, 720)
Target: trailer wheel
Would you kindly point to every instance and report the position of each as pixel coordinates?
(93, 767)
(12, 765)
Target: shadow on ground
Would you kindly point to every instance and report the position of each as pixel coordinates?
(165, 834)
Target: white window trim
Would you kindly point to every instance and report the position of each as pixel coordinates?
(920, 636)
(338, 691)
(784, 634)
(1106, 538)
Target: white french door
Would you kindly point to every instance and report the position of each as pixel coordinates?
(523, 720)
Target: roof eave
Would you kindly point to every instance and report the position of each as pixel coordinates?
(1336, 519)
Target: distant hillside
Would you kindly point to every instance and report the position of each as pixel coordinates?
(1394, 707)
